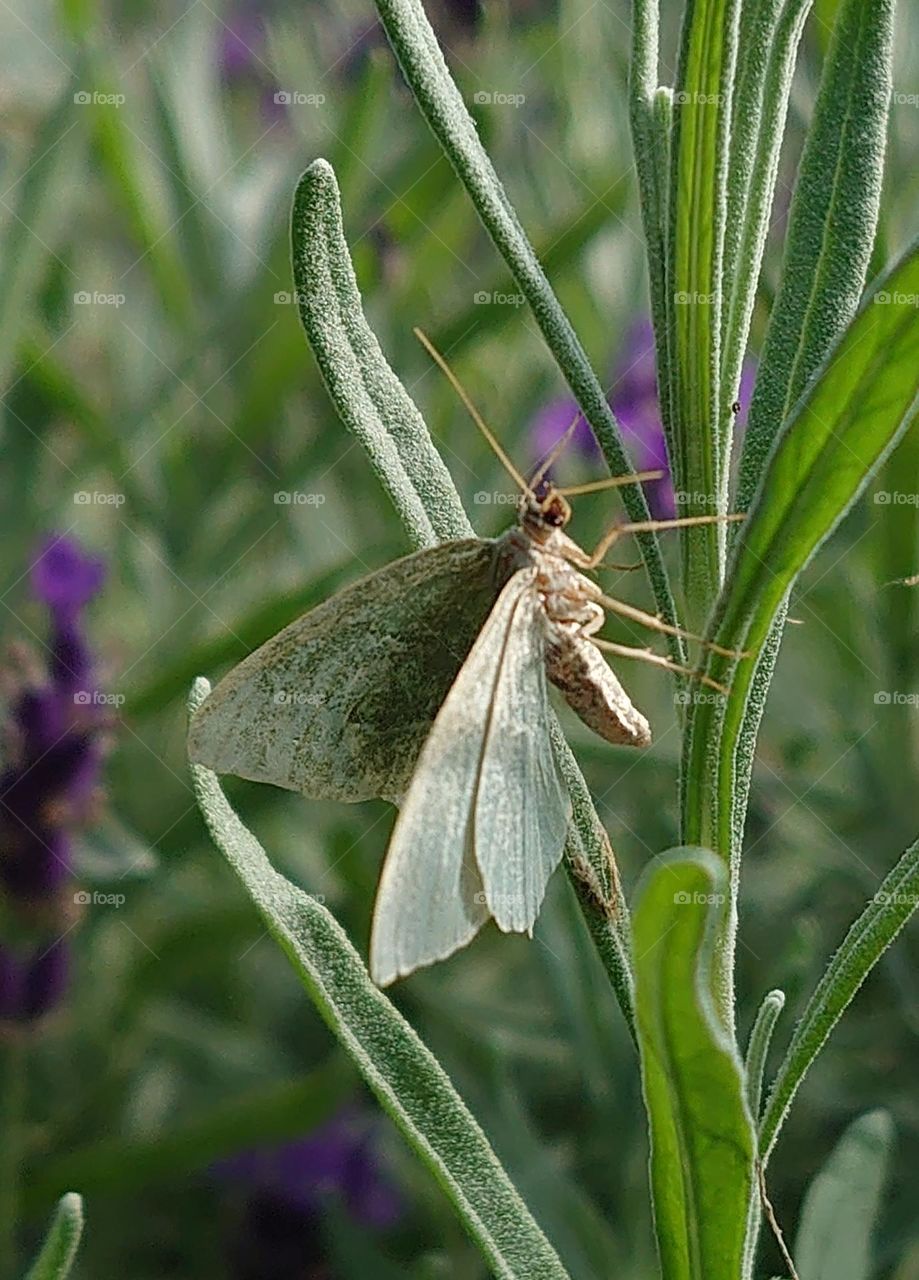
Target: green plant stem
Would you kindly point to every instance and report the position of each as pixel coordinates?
(442, 106)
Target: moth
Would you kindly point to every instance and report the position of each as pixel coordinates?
(426, 684)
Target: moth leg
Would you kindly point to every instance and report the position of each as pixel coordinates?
(647, 526)
(655, 623)
(656, 660)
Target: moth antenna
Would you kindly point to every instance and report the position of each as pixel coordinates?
(557, 450)
(611, 482)
(472, 410)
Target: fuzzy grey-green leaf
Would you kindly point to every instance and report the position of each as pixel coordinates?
(62, 1241)
(842, 1203)
(371, 400)
(402, 1072)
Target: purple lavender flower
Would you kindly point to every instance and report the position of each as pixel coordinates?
(338, 1160)
(290, 1186)
(48, 785)
(633, 399)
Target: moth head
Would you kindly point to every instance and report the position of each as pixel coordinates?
(543, 508)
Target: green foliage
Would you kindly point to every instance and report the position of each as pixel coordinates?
(62, 1241)
(842, 1203)
(404, 1075)
(702, 1135)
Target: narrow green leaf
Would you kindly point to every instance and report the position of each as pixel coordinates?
(408, 1081)
(650, 118)
(864, 944)
(441, 103)
(840, 429)
(758, 1048)
(842, 1203)
(62, 1241)
(702, 1136)
(832, 226)
(369, 397)
(700, 148)
(770, 33)
(754, 1068)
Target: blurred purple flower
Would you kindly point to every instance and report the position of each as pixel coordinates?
(241, 39)
(289, 1187)
(551, 423)
(633, 399)
(54, 741)
(339, 1160)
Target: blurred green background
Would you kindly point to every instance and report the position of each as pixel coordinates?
(153, 360)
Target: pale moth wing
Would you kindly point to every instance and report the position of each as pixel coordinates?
(338, 705)
(483, 823)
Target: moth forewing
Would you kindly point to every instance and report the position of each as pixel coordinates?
(339, 703)
(521, 804)
(469, 841)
